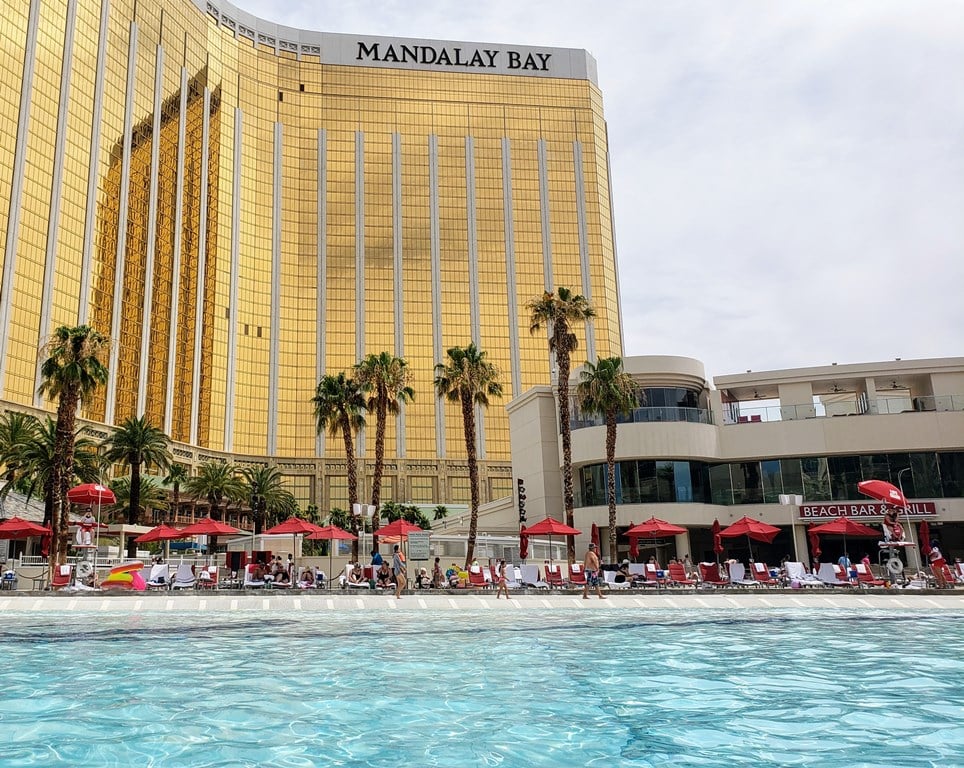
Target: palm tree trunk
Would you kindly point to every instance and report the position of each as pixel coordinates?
(611, 480)
(381, 415)
(63, 472)
(468, 425)
(352, 487)
(562, 358)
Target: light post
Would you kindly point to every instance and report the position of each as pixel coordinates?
(900, 484)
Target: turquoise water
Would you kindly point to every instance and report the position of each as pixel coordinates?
(607, 687)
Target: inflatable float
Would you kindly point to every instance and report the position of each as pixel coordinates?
(126, 576)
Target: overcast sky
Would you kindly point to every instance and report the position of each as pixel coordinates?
(788, 177)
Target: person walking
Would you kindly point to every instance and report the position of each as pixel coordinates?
(398, 566)
(503, 586)
(591, 566)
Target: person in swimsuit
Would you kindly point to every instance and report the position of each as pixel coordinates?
(893, 531)
(398, 565)
(503, 585)
(591, 566)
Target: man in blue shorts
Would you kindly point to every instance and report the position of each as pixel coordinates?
(591, 566)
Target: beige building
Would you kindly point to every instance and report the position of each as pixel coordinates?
(245, 207)
(786, 447)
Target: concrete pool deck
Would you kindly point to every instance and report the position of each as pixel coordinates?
(229, 601)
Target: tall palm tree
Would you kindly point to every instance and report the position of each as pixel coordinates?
(605, 389)
(340, 407)
(17, 430)
(216, 481)
(177, 475)
(135, 443)
(469, 379)
(559, 312)
(386, 380)
(268, 496)
(70, 374)
(150, 495)
(39, 464)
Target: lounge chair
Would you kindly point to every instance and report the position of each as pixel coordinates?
(610, 579)
(577, 575)
(159, 577)
(867, 579)
(554, 575)
(710, 575)
(63, 575)
(184, 577)
(798, 575)
(678, 577)
(959, 572)
(828, 576)
(761, 574)
(250, 580)
(653, 571)
(737, 574)
(477, 578)
(530, 577)
(208, 578)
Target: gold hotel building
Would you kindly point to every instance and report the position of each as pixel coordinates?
(244, 207)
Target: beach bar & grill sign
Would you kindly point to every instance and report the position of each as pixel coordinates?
(863, 509)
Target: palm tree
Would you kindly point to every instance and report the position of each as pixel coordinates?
(39, 462)
(440, 512)
(71, 373)
(177, 475)
(339, 407)
(137, 442)
(469, 379)
(216, 481)
(269, 498)
(385, 379)
(559, 312)
(150, 495)
(605, 389)
(17, 430)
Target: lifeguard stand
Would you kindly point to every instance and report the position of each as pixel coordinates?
(86, 547)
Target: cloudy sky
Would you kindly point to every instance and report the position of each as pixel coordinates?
(788, 176)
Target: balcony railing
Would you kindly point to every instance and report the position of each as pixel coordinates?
(649, 415)
(854, 406)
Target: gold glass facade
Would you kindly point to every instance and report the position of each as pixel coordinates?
(240, 214)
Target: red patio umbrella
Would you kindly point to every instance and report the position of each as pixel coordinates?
(208, 526)
(399, 527)
(523, 543)
(924, 533)
(845, 527)
(294, 526)
(330, 533)
(91, 494)
(551, 527)
(633, 543)
(594, 536)
(814, 542)
(717, 541)
(752, 529)
(162, 532)
(18, 528)
(654, 528)
(883, 491)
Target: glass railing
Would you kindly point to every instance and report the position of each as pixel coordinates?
(649, 415)
(849, 407)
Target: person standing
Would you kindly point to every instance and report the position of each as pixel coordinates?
(376, 558)
(591, 566)
(398, 566)
(503, 585)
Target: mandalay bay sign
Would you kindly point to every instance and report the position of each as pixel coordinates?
(453, 56)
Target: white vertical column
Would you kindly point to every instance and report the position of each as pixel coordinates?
(436, 256)
(274, 335)
(146, 309)
(472, 245)
(359, 247)
(16, 188)
(511, 285)
(612, 229)
(57, 177)
(397, 276)
(202, 258)
(544, 211)
(232, 318)
(586, 289)
(172, 367)
(120, 254)
(90, 218)
(322, 298)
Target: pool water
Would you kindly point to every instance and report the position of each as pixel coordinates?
(613, 687)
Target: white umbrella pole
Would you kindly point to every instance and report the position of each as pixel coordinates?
(97, 542)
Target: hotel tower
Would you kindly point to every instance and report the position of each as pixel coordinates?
(244, 207)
